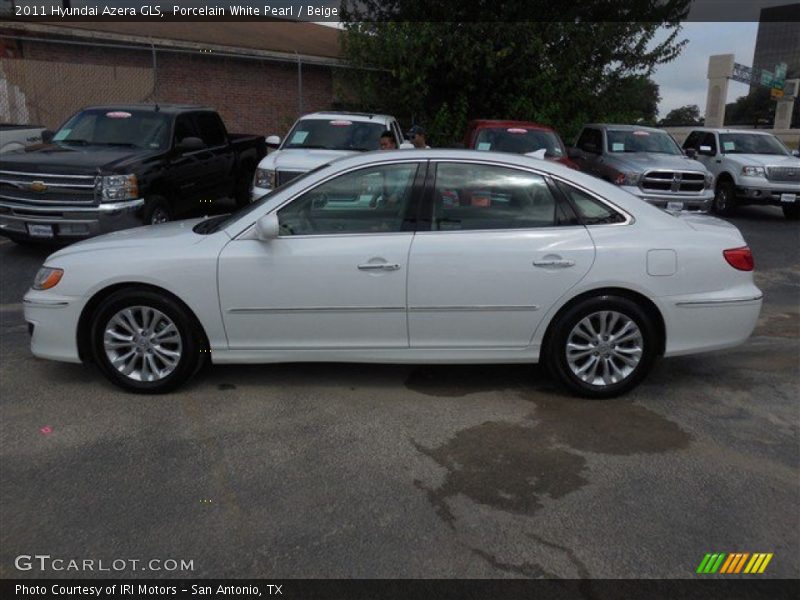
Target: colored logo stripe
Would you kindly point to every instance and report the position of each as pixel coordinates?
(734, 563)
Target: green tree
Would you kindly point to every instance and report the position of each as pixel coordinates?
(565, 69)
(757, 109)
(684, 115)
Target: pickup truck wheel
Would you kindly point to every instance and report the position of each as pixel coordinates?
(602, 347)
(156, 210)
(145, 342)
(725, 199)
(791, 211)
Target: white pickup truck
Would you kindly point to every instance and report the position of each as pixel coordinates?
(317, 139)
(750, 167)
(16, 137)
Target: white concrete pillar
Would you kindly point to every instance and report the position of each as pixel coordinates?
(785, 104)
(720, 68)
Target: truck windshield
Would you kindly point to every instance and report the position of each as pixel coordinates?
(116, 127)
(750, 143)
(519, 140)
(335, 134)
(633, 140)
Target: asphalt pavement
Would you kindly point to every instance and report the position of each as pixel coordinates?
(336, 470)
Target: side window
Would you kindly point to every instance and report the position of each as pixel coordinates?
(210, 128)
(710, 140)
(591, 140)
(591, 210)
(693, 141)
(373, 200)
(472, 197)
(184, 127)
(398, 134)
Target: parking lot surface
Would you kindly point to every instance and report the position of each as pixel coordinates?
(338, 470)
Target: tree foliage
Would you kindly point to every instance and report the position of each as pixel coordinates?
(757, 109)
(441, 63)
(684, 115)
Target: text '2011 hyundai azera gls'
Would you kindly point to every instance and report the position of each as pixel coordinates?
(428, 256)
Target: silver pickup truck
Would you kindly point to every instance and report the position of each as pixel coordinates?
(751, 167)
(646, 162)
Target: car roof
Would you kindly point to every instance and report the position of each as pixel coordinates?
(728, 130)
(165, 108)
(353, 116)
(624, 127)
(501, 123)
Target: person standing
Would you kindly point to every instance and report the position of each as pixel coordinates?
(418, 136)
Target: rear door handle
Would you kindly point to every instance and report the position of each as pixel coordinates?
(554, 263)
(378, 267)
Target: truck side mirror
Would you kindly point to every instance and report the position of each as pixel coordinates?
(190, 144)
(47, 136)
(591, 148)
(273, 141)
(575, 153)
(268, 227)
(690, 152)
(796, 153)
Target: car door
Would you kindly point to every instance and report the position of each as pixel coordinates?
(187, 168)
(501, 249)
(218, 158)
(335, 278)
(590, 141)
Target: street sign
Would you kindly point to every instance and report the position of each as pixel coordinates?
(766, 78)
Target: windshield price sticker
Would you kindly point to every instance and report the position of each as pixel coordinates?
(728, 146)
(617, 147)
(62, 134)
(484, 146)
(118, 114)
(299, 137)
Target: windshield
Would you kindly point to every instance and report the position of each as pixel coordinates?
(519, 140)
(634, 140)
(221, 221)
(335, 134)
(751, 143)
(113, 127)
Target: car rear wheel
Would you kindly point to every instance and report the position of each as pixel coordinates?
(602, 347)
(791, 211)
(145, 342)
(724, 202)
(156, 210)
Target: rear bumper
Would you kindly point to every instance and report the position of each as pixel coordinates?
(69, 223)
(699, 202)
(711, 322)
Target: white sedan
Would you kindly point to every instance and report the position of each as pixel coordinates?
(431, 256)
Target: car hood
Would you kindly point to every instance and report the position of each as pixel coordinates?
(644, 161)
(765, 160)
(151, 236)
(77, 160)
(302, 160)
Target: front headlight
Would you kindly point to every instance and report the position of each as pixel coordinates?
(46, 278)
(113, 188)
(627, 179)
(264, 178)
(753, 171)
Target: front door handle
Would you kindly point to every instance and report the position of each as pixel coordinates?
(554, 263)
(378, 267)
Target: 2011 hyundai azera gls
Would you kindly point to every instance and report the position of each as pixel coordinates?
(426, 256)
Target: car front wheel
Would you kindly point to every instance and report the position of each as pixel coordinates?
(724, 202)
(145, 342)
(602, 347)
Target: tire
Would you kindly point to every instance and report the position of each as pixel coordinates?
(572, 327)
(791, 211)
(241, 193)
(157, 210)
(724, 202)
(174, 357)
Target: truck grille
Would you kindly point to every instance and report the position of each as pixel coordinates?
(284, 176)
(783, 173)
(44, 189)
(673, 181)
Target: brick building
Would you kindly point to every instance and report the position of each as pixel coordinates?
(259, 75)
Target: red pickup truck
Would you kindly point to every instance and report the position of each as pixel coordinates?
(518, 137)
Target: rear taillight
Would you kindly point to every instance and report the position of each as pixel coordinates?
(739, 258)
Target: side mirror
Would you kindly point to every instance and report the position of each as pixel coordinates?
(796, 153)
(705, 151)
(47, 136)
(575, 153)
(190, 144)
(268, 227)
(690, 152)
(406, 146)
(590, 148)
(273, 141)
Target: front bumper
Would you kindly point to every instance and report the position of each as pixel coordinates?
(68, 223)
(53, 324)
(768, 193)
(697, 202)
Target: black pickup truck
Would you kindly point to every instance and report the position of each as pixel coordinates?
(113, 167)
